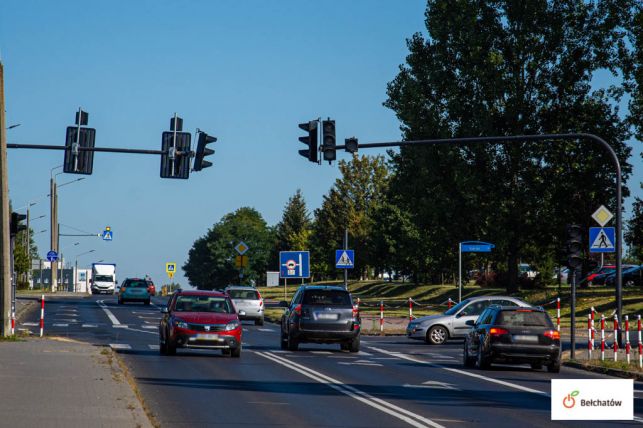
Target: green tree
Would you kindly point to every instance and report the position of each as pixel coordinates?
(508, 68)
(293, 231)
(211, 260)
(350, 204)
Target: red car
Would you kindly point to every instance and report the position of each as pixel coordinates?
(150, 287)
(601, 272)
(200, 319)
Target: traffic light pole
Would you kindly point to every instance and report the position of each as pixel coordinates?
(5, 255)
(544, 137)
(572, 338)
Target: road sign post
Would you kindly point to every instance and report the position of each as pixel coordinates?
(170, 269)
(293, 264)
(470, 247)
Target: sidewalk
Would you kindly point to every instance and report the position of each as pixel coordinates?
(62, 383)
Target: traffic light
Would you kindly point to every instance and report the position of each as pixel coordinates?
(15, 225)
(351, 145)
(202, 151)
(574, 247)
(311, 140)
(79, 161)
(329, 141)
(175, 160)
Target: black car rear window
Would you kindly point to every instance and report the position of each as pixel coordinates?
(327, 298)
(244, 294)
(136, 284)
(522, 318)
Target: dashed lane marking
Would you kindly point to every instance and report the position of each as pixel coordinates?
(149, 327)
(30, 324)
(109, 313)
(120, 346)
(89, 326)
(154, 347)
(119, 326)
(321, 352)
(60, 325)
(266, 329)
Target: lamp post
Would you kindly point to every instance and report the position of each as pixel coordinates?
(76, 269)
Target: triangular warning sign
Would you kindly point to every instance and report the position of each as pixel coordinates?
(602, 241)
(344, 260)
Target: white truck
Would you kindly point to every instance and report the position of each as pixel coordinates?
(103, 278)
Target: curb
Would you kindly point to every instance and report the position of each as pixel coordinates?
(604, 370)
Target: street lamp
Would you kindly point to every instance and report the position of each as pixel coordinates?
(76, 269)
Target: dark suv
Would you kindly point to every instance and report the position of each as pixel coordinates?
(513, 335)
(321, 314)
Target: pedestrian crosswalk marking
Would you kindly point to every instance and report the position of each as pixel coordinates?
(120, 346)
(154, 347)
(266, 329)
(119, 326)
(30, 324)
(89, 326)
(149, 327)
(60, 325)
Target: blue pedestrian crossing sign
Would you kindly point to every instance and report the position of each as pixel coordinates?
(602, 240)
(108, 234)
(344, 259)
(294, 264)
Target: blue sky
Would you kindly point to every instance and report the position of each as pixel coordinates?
(246, 72)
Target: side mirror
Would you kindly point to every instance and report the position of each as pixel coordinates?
(470, 323)
(242, 313)
(283, 304)
(165, 310)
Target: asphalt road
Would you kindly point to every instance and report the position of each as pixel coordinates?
(391, 382)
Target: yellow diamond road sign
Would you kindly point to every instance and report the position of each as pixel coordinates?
(241, 248)
(602, 216)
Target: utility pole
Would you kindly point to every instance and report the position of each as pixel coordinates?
(5, 256)
(53, 223)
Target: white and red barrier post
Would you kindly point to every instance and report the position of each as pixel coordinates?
(410, 309)
(640, 343)
(558, 314)
(602, 337)
(593, 329)
(381, 317)
(450, 303)
(615, 337)
(589, 336)
(13, 321)
(42, 314)
(627, 339)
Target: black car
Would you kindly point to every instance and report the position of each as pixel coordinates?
(321, 314)
(513, 335)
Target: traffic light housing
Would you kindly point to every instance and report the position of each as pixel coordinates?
(15, 225)
(202, 151)
(79, 161)
(329, 141)
(574, 246)
(351, 145)
(311, 140)
(175, 160)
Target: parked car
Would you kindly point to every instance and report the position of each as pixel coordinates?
(134, 290)
(150, 287)
(512, 335)
(200, 319)
(321, 314)
(632, 276)
(591, 278)
(437, 329)
(526, 271)
(249, 300)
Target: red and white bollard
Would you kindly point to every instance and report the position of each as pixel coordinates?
(615, 337)
(589, 336)
(13, 322)
(627, 339)
(593, 329)
(410, 309)
(450, 303)
(558, 314)
(381, 317)
(640, 344)
(42, 314)
(358, 302)
(602, 337)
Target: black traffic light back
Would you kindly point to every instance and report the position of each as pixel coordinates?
(329, 141)
(202, 151)
(15, 225)
(574, 246)
(179, 167)
(311, 140)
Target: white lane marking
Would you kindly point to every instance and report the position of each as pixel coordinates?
(462, 372)
(245, 329)
(266, 329)
(433, 384)
(281, 351)
(365, 353)
(321, 352)
(109, 313)
(89, 326)
(154, 347)
(30, 324)
(360, 363)
(411, 418)
(60, 325)
(73, 320)
(142, 331)
(639, 420)
(117, 346)
(149, 327)
(119, 326)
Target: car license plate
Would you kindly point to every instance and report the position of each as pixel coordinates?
(207, 337)
(525, 338)
(327, 316)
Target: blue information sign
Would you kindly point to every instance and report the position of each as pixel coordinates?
(602, 240)
(476, 247)
(52, 256)
(344, 259)
(294, 264)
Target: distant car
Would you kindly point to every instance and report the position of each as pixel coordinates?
(563, 274)
(249, 300)
(202, 320)
(437, 329)
(526, 271)
(134, 290)
(321, 314)
(597, 276)
(150, 287)
(632, 277)
(512, 335)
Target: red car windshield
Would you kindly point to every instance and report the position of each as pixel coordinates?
(203, 304)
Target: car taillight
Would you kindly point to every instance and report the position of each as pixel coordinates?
(260, 302)
(497, 331)
(553, 334)
(298, 309)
